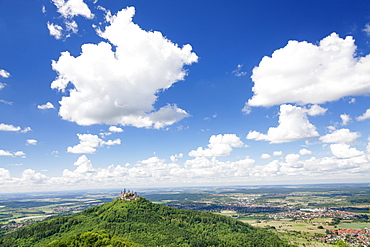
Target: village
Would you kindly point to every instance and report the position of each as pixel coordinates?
(351, 237)
(315, 213)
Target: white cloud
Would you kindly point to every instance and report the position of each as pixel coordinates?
(89, 143)
(13, 154)
(364, 116)
(4, 175)
(344, 151)
(55, 153)
(219, 145)
(71, 26)
(72, 8)
(346, 163)
(340, 136)
(31, 176)
(368, 144)
(367, 29)
(9, 127)
(4, 73)
(55, 30)
(304, 151)
(306, 73)
(237, 72)
(265, 156)
(115, 129)
(48, 105)
(19, 153)
(277, 153)
(345, 119)
(121, 86)
(2, 85)
(4, 101)
(25, 130)
(5, 153)
(316, 110)
(31, 142)
(83, 165)
(43, 9)
(293, 126)
(176, 157)
(292, 158)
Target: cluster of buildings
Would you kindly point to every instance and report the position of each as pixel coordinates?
(314, 213)
(128, 195)
(352, 237)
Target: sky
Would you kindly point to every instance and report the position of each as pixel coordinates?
(142, 94)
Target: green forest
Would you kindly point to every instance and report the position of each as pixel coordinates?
(140, 223)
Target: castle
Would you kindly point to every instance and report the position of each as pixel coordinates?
(128, 195)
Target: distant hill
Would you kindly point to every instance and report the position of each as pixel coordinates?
(140, 223)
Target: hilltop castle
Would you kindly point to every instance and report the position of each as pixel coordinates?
(128, 195)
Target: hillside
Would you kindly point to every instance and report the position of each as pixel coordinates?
(140, 223)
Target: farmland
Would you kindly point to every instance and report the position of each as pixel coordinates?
(301, 214)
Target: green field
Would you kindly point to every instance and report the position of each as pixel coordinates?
(354, 225)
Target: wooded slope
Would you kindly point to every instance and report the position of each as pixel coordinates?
(141, 223)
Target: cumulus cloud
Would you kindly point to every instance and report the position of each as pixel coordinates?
(219, 145)
(48, 105)
(346, 162)
(176, 157)
(120, 85)
(4, 175)
(265, 156)
(31, 142)
(84, 166)
(89, 143)
(344, 151)
(364, 116)
(345, 119)
(55, 30)
(4, 73)
(9, 127)
(115, 129)
(31, 176)
(316, 110)
(292, 158)
(293, 126)
(72, 8)
(340, 136)
(304, 151)
(306, 73)
(277, 153)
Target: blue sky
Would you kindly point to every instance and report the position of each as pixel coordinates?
(113, 94)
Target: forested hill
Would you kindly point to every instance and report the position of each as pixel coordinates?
(140, 223)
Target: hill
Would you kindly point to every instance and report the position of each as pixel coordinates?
(140, 223)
